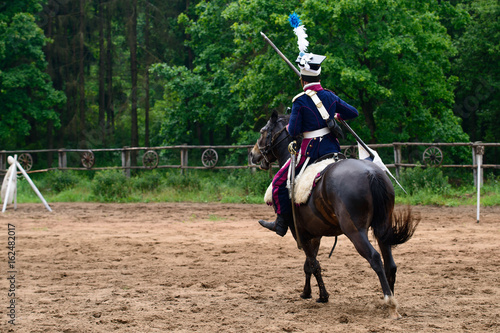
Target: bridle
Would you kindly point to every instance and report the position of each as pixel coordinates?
(271, 144)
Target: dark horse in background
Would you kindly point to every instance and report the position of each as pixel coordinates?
(352, 196)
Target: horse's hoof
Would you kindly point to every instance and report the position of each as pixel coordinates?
(305, 296)
(393, 307)
(322, 300)
(393, 314)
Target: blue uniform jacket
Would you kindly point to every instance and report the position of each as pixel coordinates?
(305, 117)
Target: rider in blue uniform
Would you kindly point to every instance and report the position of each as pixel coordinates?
(318, 139)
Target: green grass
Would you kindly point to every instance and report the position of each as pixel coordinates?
(424, 187)
(490, 196)
(428, 186)
(215, 218)
(237, 186)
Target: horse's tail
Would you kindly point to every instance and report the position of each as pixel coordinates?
(389, 228)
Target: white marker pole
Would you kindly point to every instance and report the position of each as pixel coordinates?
(15, 197)
(9, 183)
(33, 186)
(479, 160)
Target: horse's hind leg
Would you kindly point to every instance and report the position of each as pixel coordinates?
(367, 251)
(389, 265)
(312, 267)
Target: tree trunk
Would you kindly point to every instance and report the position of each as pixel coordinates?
(367, 108)
(50, 143)
(133, 71)
(190, 58)
(110, 114)
(228, 133)
(50, 71)
(81, 75)
(211, 138)
(199, 133)
(146, 77)
(102, 74)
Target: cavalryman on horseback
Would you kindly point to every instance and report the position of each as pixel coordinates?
(347, 197)
(313, 114)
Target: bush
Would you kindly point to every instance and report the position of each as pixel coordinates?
(190, 181)
(109, 185)
(253, 183)
(59, 181)
(420, 179)
(491, 179)
(148, 181)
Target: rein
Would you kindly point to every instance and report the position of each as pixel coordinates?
(269, 147)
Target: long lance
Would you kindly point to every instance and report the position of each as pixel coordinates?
(281, 54)
(358, 139)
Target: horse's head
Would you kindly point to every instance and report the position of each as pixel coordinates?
(272, 137)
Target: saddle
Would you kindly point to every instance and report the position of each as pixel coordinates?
(305, 182)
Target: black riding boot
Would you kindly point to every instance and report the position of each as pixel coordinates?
(280, 225)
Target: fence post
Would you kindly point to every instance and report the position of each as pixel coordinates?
(63, 160)
(474, 170)
(2, 160)
(126, 161)
(479, 161)
(50, 159)
(184, 158)
(477, 157)
(397, 157)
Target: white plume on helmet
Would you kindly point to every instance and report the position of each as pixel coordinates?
(309, 63)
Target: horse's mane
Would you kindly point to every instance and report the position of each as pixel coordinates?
(285, 117)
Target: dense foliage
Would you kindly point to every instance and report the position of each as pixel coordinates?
(150, 72)
(478, 65)
(27, 96)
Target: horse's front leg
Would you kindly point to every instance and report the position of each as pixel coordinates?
(312, 267)
(307, 287)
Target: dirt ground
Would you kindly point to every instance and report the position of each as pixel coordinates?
(189, 267)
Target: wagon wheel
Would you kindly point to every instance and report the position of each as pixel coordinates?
(433, 156)
(351, 152)
(88, 159)
(150, 159)
(209, 158)
(26, 161)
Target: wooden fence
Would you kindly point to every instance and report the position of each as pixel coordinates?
(209, 159)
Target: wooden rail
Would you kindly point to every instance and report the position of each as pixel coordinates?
(126, 157)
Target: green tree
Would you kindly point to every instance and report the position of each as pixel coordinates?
(27, 96)
(200, 105)
(184, 106)
(393, 60)
(478, 67)
(101, 52)
(390, 59)
(231, 86)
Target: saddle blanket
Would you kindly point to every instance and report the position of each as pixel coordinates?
(303, 183)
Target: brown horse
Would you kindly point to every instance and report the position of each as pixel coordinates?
(352, 196)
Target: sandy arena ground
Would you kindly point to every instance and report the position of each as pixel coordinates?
(189, 267)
